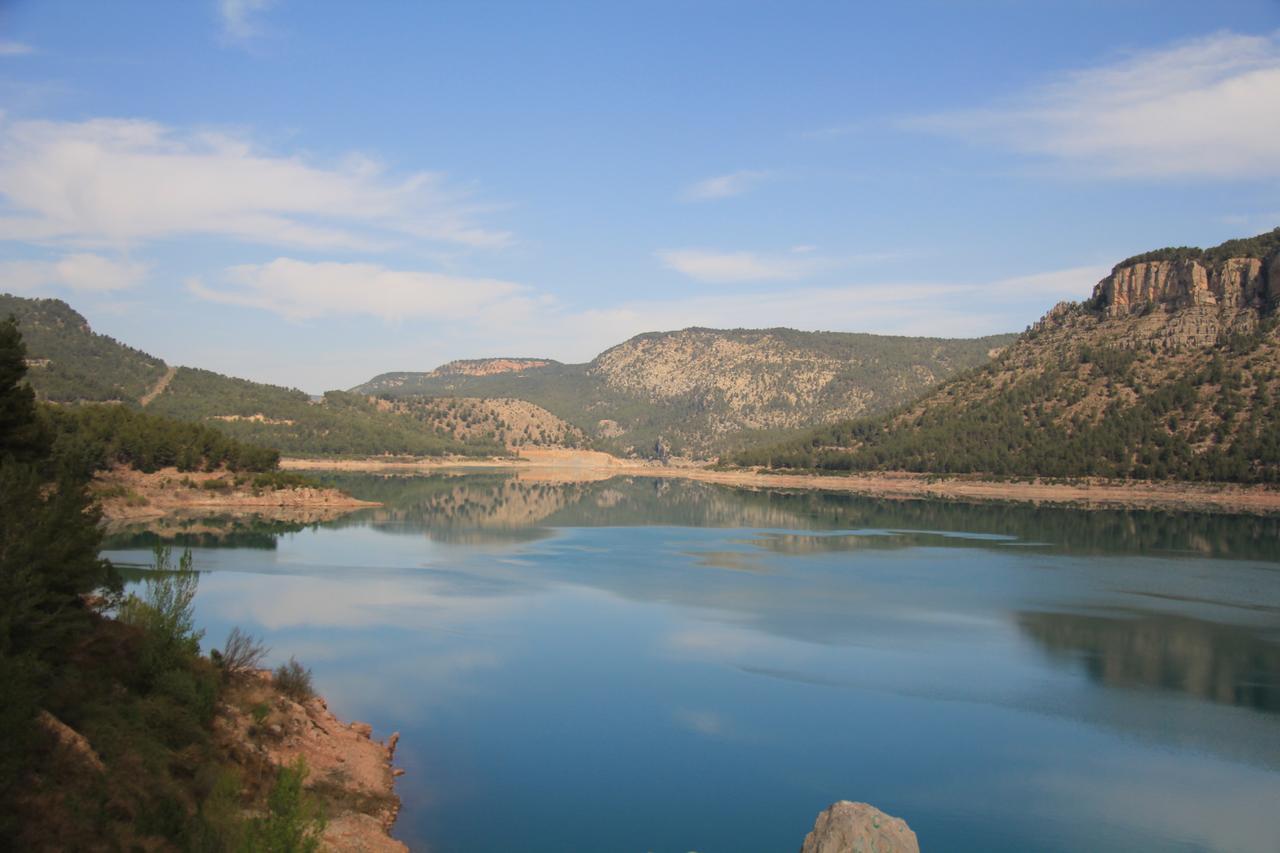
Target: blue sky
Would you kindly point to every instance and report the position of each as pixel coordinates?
(312, 193)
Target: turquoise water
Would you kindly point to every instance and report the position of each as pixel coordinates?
(643, 664)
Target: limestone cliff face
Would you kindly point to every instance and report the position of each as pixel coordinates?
(1196, 302)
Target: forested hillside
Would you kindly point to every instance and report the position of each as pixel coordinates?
(1170, 371)
(698, 391)
(68, 362)
(340, 423)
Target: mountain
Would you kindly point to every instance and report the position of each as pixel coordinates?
(1171, 370)
(70, 363)
(701, 390)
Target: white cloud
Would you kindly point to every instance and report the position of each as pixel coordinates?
(239, 17)
(1201, 108)
(119, 182)
(723, 186)
(710, 265)
(300, 290)
(15, 48)
(82, 272)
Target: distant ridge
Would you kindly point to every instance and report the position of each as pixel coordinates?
(698, 391)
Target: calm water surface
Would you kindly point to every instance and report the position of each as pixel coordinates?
(643, 664)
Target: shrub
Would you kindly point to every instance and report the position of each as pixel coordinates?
(294, 821)
(283, 480)
(242, 653)
(165, 613)
(294, 680)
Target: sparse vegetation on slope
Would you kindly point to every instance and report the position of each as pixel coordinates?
(694, 391)
(1124, 390)
(499, 422)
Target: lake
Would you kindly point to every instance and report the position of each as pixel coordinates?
(642, 664)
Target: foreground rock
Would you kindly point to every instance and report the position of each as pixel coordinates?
(348, 770)
(847, 827)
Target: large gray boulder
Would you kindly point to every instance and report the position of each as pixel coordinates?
(847, 827)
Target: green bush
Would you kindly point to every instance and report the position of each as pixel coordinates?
(294, 680)
(294, 821)
(165, 613)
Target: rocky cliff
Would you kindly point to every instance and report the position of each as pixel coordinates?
(1196, 302)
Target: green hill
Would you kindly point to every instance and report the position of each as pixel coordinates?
(70, 363)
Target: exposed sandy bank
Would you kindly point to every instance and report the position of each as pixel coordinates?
(568, 465)
(129, 495)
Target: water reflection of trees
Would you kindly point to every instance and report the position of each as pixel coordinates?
(502, 502)
(1227, 664)
(202, 531)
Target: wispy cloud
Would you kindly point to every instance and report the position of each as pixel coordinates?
(15, 48)
(724, 186)
(81, 272)
(120, 181)
(710, 265)
(241, 18)
(1201, 108)
(302, 290)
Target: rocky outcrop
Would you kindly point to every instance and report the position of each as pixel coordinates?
(349, 771)
(1199, 301)
(847, 827)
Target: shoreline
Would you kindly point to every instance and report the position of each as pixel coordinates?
(128, 495)
(350, 772)
(1084, 493)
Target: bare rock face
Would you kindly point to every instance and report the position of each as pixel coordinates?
(1189, 302)
(847, 827)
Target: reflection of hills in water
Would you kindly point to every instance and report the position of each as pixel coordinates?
(202, 531)
(501, 506)
(1221, 663)
(799, 544)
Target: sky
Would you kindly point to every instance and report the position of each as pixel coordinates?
(312, 193)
